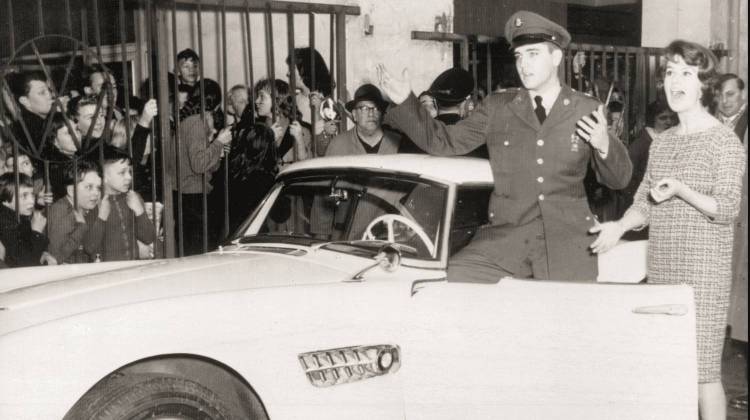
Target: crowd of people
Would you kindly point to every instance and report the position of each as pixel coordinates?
(80, 181)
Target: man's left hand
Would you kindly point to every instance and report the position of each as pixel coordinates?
(595, 131)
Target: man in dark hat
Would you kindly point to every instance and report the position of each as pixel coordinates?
(368, 135)
(541, 138)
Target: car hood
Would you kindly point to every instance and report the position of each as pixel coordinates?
(31, 296)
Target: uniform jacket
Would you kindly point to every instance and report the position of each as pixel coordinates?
(538, 170)
(347, 143)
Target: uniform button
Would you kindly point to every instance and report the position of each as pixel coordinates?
(540, 179)
(492, 215)
(540, 142)
(588, 217)
(540, 161)
(506, 143)
(541, 197)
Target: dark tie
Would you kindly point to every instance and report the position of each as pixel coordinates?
(541, 114)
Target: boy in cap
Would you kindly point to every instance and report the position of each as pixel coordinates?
(541, 138)
(368, 135)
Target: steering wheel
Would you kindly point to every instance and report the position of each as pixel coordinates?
(389, 219)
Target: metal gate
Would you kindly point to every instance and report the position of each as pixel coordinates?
(137, 40)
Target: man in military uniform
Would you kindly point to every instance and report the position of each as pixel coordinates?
(452, 92)
(541, 139)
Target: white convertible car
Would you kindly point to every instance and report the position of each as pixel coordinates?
(331, 303)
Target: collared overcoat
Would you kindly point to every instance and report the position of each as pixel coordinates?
(347, 143)
(538, 171)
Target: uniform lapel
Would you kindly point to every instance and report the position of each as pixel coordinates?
(521, 106)
(563, 108)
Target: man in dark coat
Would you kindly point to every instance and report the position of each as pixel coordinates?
(368, 135)
(541, 139)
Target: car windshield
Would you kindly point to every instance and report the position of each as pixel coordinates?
(348, 209)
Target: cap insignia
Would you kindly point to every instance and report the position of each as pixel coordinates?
(518, 22)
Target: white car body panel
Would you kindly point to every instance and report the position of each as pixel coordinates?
(467, 350)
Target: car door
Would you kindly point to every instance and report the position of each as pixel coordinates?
(525, 349)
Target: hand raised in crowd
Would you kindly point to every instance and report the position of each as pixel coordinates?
(609, 234)
(38, 221)
(44, 199)
(104, 208)
(150, 110)
(278, 131)
(394, 88)
(316, 98)
(295, 129)
(666, 189)
(225, 136)
(331, 127)
(594, 130)
(134, 201)
(47, 259)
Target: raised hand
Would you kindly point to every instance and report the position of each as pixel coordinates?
(150, 110)
(38, 221)
(397, 89)
(104, 207)
(594, 130)
(133, 200)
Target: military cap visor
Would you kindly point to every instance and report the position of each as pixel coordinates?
(525, 27)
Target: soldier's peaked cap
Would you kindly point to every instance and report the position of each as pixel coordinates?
(452, 86)
(525, 27)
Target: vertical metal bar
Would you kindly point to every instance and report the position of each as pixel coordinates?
(165, 137)
(341, 62)
(226, 84)
(604, 64)
(18, 181)
(474, 62)
(68, 18)
(465, 53)
(97, 31)
(40, 16)
(332, 53)
(568, 68)
(177, 157)
(204, 184)
(250, 83)
(313, 111)
(628, 95)
(292, 65)
(152, 56)
(270, 65)
(126, 82)
(592, 78)
(489, 68)
(85, 30)
(11, 28)
(615, 69)
(138, 62)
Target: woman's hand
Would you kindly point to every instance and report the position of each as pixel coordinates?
(609, 234)
(278, 131)
(295, 129)
(666, 188)
(316, 98)
(44, 199)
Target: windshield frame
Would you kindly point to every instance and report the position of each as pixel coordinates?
(259, 215)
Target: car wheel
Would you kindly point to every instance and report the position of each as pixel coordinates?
(155, 396)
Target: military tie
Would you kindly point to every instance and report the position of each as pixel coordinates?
(541, 114)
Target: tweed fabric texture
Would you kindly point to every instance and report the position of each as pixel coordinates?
(686, 246)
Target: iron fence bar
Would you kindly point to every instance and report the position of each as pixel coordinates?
(604, 63)
(249, 82)
(164, 130)
(592, 72)
(341, 58)
(568, 68)
(292, 66)
(85, 30)
(68, 18)
(126, 82)
(204, 178)
(615, 66)
(226, 99)
(629, 111)
(176, 106)
(40, 16)
(332, 51)
(152, 56)
(11, 29)
(313, 113)
(270, 66)
(474, 73)
(97, 31)
(489, 69)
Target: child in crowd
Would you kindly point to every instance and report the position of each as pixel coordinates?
(121, 217)
(42, 197)
(69, 223)
(90, 124)
(23, 237)
(60, 149)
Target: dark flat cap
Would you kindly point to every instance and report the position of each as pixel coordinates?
(525, 27)
(452, 86)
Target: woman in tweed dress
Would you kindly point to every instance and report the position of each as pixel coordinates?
(689, 198)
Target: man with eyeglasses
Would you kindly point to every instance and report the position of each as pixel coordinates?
(368, 135)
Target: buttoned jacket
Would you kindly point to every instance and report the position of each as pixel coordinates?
(538, 169)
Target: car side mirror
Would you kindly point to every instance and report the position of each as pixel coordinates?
(388, 258)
